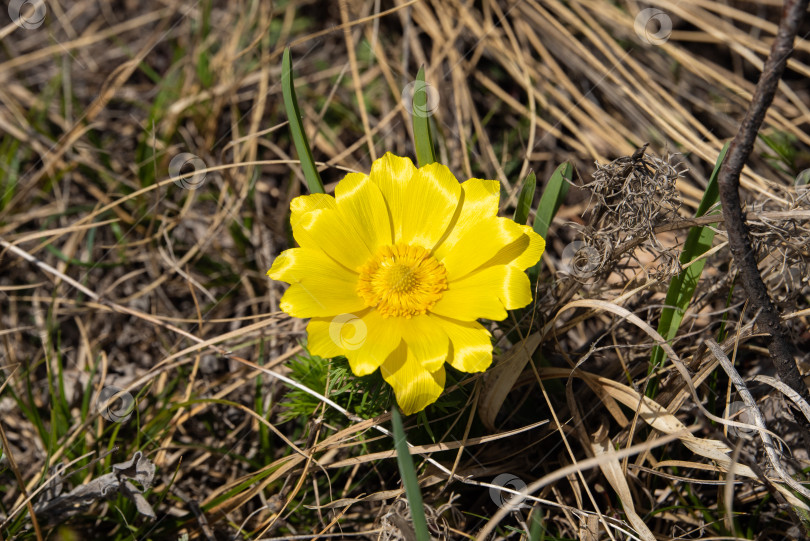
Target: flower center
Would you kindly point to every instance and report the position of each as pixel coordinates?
(401, 281)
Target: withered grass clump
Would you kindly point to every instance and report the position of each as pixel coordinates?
(629, 198)
(396, 523)
(780, 230)
(633, 194)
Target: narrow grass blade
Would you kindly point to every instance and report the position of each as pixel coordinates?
(408, 473)
(524, 204)
(314, 182)
(423, 139)
(552, 198)
(550, 202)
(682, 286)
(537, 531)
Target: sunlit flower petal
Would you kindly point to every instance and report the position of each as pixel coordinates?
(392, 175)
(430, 202)
(482, 242)
(521, 253)
(426, 340)
(479, 201)
(473, 297)
(318, 285)
(375, 340)
(471, 344)
(303, 205)
(487, 294)
(363, 211)
(415, 387)
(532, 253)
(327, 230)
(319, 338)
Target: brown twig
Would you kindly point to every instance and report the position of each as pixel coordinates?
(781, 348)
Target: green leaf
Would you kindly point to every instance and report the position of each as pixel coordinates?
(783, 144)
(550, 202)
(682, 287)
(552, 198)
(204, 73)
(406, 470)
(524, 204)
(311, 175)
(423, 139)
(537, 530)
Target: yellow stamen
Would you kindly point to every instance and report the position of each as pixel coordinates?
(402, 281)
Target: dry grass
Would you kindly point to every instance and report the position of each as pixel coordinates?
(113, 274)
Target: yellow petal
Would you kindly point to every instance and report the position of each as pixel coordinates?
(471, 343)
(319, 339)
(485, 294)
(414, 386)
(530, 255)
(392, 175)
(328, 230)
(426, 341)
(515, 289)
(318, 285)
(300, 206)
(363, 210)
(372, 342)
(482, 242)
(431, 198)
(480, 201)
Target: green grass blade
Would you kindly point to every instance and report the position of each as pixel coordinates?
(537, 531)
(682, 287)
(552, 198)
(712, 194)
(423, 139)
(524, 204)
(408, 474)
(314, 182)
(550, 202)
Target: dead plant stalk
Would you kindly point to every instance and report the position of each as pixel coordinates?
(781, 348)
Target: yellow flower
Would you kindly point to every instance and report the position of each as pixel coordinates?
(395, 270)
